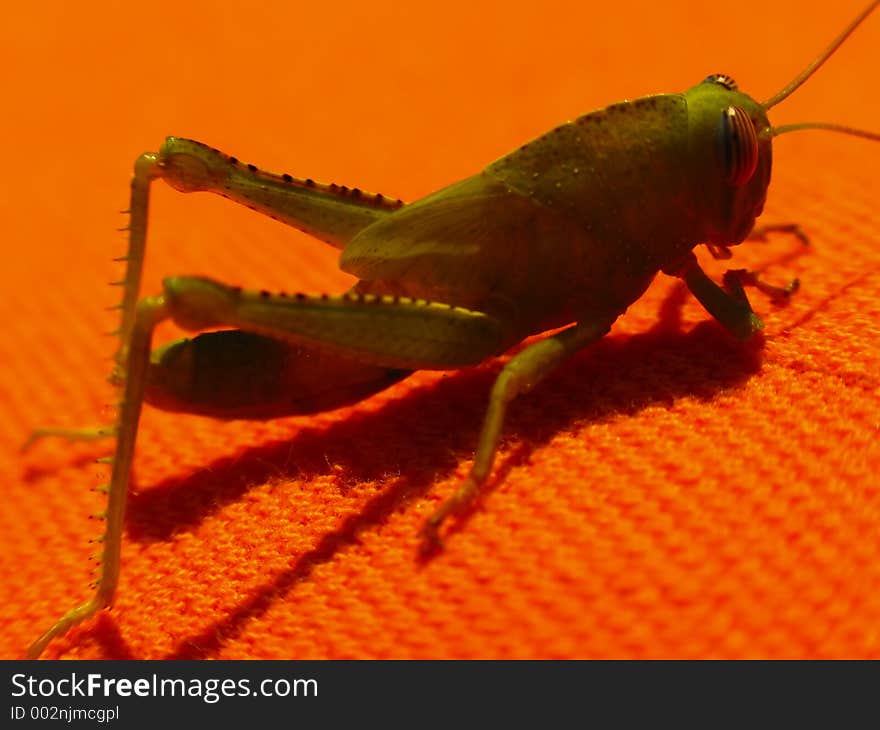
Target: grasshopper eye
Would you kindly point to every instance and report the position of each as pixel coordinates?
(722, 80)
(736, 145)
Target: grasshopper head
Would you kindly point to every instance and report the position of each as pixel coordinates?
(730, 148)
(730, 144)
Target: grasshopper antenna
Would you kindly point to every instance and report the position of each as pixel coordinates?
(796, 82)
(843, 129)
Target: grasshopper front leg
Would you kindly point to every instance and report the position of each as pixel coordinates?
(731, 309)
(730, 305)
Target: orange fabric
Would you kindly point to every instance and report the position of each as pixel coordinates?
(669, 493)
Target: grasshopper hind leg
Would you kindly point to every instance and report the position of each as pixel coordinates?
(361, 342)
(148, 313)
(333, 213)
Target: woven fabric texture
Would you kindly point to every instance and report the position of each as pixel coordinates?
(669, 492)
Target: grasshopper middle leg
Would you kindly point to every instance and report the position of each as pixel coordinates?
(519, 376)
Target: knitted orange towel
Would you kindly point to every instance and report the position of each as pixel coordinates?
(668, 493)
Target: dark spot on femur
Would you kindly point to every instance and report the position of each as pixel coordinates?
(356, 192)
(283, 295)
(334, 186)
(344, 189)
(325, 297)
(300, 296)
(233, 160)
(252, 168)
(265, 294)
(379, 197)
(287, 178)
(310, 182)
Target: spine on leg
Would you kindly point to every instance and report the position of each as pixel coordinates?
(330, 212)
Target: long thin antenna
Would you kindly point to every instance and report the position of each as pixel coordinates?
(842, 128)
(822, 57)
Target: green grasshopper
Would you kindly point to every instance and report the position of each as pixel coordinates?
(563, 232)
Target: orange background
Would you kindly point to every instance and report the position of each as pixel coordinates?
(669, 493)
